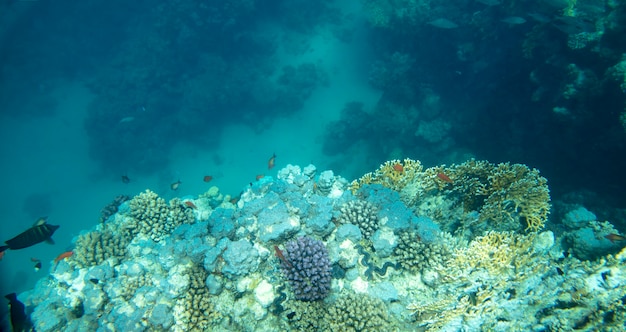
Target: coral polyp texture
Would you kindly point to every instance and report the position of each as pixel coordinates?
(307, 268)
(404, 248)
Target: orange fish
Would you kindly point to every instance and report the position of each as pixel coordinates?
(280, 255)
(34, 259)
(398, 168)
(444, 178)
(270, 163)
(615, 237)
(175, 185)
(2, 255)
(63, 256)
(259, 177)
(234, 200)
(207, 178)
(190, 204)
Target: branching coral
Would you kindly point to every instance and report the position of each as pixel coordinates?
(496, 252)
(95, 247)
(362, 214)
(416, 255)
(197, 312)
(507, 196)
(394, 174)
(358, 312)
(154, 218)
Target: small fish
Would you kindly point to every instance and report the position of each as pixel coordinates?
(280, 255)
(207, 178)
(19, 319)
(513, 20)
(40, 232)
(127, 119)
(94, 281)
(234, 200)
(175, 185)
(259, 176)
(559, 271)
(1, 255)
(443, 23)
(37, 266)
(125, 179)
(398, 168)
(271, 162)
(63, 256)
(615, 237)
(190, 205)
(444, 178)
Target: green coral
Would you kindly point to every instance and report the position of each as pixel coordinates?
(358, 312)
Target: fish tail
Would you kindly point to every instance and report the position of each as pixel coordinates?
(3, 248)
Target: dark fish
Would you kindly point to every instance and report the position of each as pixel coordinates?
(174, 186)
(19, 319)
(41, 231)
(615, 237)
(94, 281)
(38, 266)
(125, 179)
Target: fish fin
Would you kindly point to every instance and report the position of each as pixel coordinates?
(41, 221)
(49, 240)
(3, 248)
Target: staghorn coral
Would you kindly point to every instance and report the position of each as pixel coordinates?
(362, 214)
(358, 312)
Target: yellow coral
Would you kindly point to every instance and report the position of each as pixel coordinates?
(394, 174)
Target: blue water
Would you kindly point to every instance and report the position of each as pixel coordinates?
(91, 91)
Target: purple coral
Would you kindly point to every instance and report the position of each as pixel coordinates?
(307, 268)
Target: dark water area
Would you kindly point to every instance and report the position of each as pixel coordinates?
(92, 90)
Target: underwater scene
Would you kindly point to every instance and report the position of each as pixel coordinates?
(330, 165)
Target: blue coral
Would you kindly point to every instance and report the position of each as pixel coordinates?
(307, 268)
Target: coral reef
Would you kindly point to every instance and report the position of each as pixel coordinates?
(111, 208)
(307, 268)
(154, 218)
(195, 308)
(95, 247)
(362, 214)
(416, 255)
(227, 271)
(358, 312)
